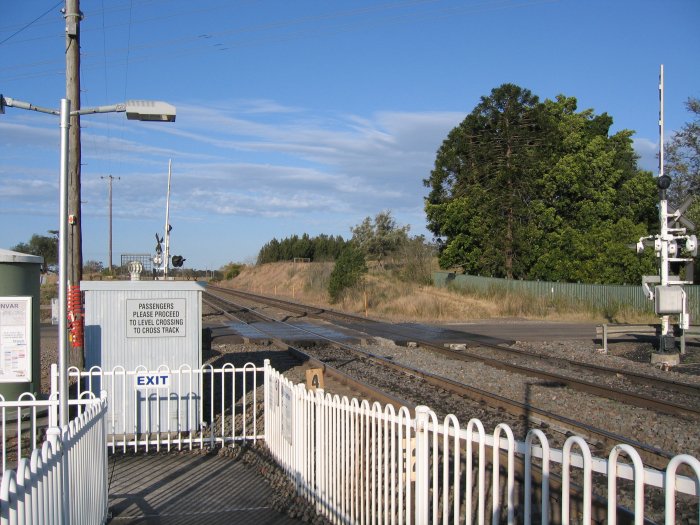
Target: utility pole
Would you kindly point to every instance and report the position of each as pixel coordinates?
(166, 262)
(73, 16)
(110, 178)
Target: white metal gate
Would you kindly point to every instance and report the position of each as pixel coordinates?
(176, 408)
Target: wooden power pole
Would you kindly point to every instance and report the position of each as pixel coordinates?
(73, 17)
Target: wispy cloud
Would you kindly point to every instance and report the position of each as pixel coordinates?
(244, 164)
(247, 160)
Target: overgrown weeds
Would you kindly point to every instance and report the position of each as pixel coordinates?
(384, 293)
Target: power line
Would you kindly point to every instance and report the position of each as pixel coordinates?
(32, 22)
(260, 33)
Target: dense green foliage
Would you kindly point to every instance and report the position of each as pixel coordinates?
(382, 240)
(43, 246)
(321, 248)
(348, 271)
(536, 190)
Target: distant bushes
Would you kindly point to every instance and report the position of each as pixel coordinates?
(321, 248)
(231, 270)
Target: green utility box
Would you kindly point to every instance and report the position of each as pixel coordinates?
(20, 338)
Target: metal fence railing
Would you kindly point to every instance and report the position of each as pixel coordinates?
(595, 295)
(176, 408)
(23, 424)
(63, 480)
(364, 463)
(358, 462)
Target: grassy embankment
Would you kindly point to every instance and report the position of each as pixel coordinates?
(388, 297)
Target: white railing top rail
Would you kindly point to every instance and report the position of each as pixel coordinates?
(182, 369)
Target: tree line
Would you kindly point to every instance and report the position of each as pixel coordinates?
(320, 248)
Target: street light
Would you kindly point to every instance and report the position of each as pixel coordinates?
(135, 110)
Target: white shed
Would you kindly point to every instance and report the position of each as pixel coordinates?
(142, 334)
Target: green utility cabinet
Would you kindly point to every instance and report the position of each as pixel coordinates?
(20, 338)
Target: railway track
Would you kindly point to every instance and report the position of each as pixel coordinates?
(641, 390)
(410, 380)
(337, 381)
(358, 369)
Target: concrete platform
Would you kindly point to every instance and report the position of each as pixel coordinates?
(180, 488)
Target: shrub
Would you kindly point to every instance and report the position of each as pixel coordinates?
(348, 271)
(231, 270)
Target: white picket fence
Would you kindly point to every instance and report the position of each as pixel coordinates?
(364, 463)
(64, 480)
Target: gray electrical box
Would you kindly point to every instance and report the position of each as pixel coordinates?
(668, 300)
(142, 333)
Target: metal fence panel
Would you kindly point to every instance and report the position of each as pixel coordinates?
(364, 463)
(193, 408)
(594, 295)
(64, 480)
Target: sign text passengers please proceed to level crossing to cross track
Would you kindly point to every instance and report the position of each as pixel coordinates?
(155, 317)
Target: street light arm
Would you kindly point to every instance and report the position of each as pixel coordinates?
(114, 108)
(13, 103)
(147, 110)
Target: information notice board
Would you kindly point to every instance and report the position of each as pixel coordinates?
(15, 339)
(156, 317)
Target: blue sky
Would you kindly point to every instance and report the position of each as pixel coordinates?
(305, 116)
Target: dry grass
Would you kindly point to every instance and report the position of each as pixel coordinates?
(382, 295)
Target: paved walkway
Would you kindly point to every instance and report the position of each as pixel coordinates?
(179, 488)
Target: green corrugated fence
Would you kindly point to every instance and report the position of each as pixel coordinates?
(595, 295)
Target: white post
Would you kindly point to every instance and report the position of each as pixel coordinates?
(663, 206)
(166, 262)
(63, 268)
(319, 487)
(422, 465)
(267, 418)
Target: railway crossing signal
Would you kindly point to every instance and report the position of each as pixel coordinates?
(159, 248)
(669, 246)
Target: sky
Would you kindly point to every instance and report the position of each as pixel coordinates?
(304, 116)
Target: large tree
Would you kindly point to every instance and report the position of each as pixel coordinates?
(480, 187)
(536, 190)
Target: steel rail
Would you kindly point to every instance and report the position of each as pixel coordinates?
(368, 391)
(615, 394)
(652, 455)
(515, 408)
